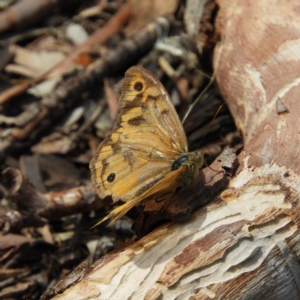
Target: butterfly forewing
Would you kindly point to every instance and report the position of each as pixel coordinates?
(142, 88)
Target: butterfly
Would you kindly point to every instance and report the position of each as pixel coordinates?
(146, 154)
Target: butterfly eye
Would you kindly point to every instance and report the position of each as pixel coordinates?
(111, 177)
(179, 162)
(138, 86)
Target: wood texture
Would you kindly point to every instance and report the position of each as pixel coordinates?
(259, 68)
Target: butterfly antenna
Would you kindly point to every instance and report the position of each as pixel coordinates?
(210, 124)
(209, 83)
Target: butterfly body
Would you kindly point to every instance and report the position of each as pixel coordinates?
(146, 154)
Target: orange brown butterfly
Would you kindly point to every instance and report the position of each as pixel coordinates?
(146, 154)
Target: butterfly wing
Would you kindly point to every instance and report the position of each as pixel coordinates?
(167, 183)
(146, 141)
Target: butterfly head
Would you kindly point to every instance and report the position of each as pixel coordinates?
(193, 161)
(196, 161)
